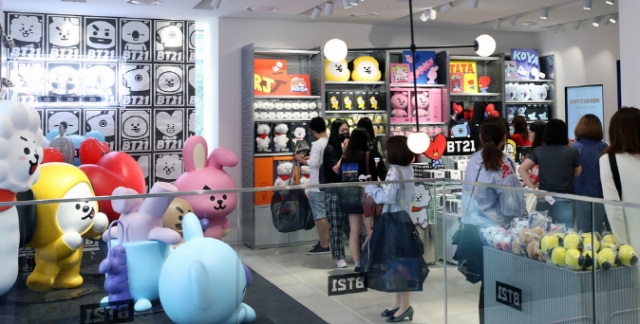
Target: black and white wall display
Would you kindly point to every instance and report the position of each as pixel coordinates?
(64, 80)
(169, 129)
(169, 85)
(135, 130)
(99, 83)
(101, 37)
(191, 85)
(69, 118)
(64, 35)
(144, 161)
(103, 121)
(136, 85)
(190, 122)
(169, 37)
(191, 41)
(135, 39)
(28, 81)
(27, 31)
(168, 166)
(41, 113)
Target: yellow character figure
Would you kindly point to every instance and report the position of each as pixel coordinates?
(61, 227)
(348, 104)
(374, 103)
(366, 69)
(173, 216)
(360, 103)
(334, 103)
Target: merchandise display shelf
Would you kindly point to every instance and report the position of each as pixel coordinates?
(354, 83)
(526, 102)
(353, 112)
(530, 81)
(287, 97)
(282, 120)
(273, 154)
(473, 58)
(421, 123)
(489, 94)
(410, 85)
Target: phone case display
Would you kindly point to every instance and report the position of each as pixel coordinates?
(399, 101)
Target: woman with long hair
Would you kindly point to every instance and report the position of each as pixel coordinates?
(374, 146)
(588, 134)
(486, 206)
(536, 133)
(520, 131)
(624, 150)
(355, 158)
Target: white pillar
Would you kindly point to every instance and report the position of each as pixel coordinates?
(629, 49)
(207, 115)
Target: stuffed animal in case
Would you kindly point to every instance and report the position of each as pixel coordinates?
(284, 171)
(281, 138)
(262, 137)
(367, 69)
(336, 71)
(423, 104)
(421, 201)
(399, 104)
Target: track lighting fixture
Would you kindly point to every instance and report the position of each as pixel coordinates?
(544, 14)
(328, 8)
(513, 20)
(610, 2)
(613, 18)
(473, 4)
(316, 13)
(597, 21)
(346, 4)
(353, 3)
(425, 15)
(446, 7)
(576, 25)
(432, 14)
(497, 24)
(587, 4)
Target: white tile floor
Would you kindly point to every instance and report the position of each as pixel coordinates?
(304, 278)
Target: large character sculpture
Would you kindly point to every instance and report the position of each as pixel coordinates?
(203, 280)
(202, 173)
(145, 241)
(61, 227)
(20, 144)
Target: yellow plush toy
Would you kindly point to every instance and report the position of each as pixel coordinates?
(348, 104)
(366, 68)
(61, 227)
(336, 72)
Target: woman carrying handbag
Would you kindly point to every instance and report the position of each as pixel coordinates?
(394, 260)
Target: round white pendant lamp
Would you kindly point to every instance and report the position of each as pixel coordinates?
(335, 50)
(485, 45)
(418, 142)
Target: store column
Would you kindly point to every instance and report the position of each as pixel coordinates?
(629, 49)
(207, 117)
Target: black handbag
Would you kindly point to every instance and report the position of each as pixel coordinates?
(291, 211)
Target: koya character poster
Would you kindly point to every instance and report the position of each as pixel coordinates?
(191, 86)
(28, 33)
(136, 85)
(527, 63)
(169, 85)
(169, 36)
(103, 121)
(68, 118)
(101, 37)
(135, 40)
(167, 166)
(135, 130)
(169, 127)
(64, 36)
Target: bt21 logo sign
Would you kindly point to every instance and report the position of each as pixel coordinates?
(64, 35)
(169, 41)
(27, 31)
(101, 37)
(135, 39)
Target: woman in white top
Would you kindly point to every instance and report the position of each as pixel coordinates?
(400, 158)
(624, 137)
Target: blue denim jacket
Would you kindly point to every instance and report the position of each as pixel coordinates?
(588, 183)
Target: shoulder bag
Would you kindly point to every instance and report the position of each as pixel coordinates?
(615, 172)
(290, 210)
(369, 205)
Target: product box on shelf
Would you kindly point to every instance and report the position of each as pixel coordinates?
(464, 75)
(348, 100)
(399, 105)
(425, 65)
(429, 106)
(527, 63)
(299, 132)
(375, 101)
(334, 100)
(264, 138)
(361, 101)
(399, 72)
(281, 137)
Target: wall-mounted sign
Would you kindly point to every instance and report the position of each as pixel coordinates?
(169, 36)
(101, 37)
(64, 36)
(169, 85)
(135, 126)
(136, 85)
(169, 129)
(28, 33)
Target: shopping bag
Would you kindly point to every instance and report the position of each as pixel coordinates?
(291, 211)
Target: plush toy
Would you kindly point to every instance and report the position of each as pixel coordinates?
(517, 225)
(374, 102)
(543, 116)
(511, 112)
(488, 234)
(590, 258)
(497, 240)
(422, 198)
(517, 242)
(423, 104)
(549, 242)
(533, 251)
(284, 171)
(174, 215)
(366, 68)
(399, 104)
(279, 105)
(281, 138)
(305, 175)
(297, 115)
(607, 259)
(589, 243)
(304, 105)
(627, 255)
(336, 71)
(531, 234)
(61, 227)
(609, 241)
(288, 115)
(506, 242)
(574, 260)
(557, 256)
(335, 103)
(202, 173)
(288, 106)
(484, 82)
(262, 137)
(521, 111)
(537, 219)
(573, 241)
(204, 281)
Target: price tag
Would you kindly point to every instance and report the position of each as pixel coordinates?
(550, 200)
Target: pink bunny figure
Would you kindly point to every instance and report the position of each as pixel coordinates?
(202, 173)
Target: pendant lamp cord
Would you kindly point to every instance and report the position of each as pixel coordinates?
(413, 60)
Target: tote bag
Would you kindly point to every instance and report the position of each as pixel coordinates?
(291, 211)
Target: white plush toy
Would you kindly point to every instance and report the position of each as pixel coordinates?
(256, 115)
(312, 105)
(313, 114)
(271, 115)
(284, 175)
(297, 115)
(279, 105)
(299, 134)
(279, 115)
(296, 105)
(281, 140)
(421, 201)
(288, 106)
(304, 105)
(288, 115)
(264, 115)
(304, 115)
(305, 177)
(270, 105)
(262, 138)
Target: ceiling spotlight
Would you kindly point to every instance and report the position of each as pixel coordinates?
(346, 4)
(446, 7)
(613, 18)
(576, 25)
(544, 14)
(353, 3)
(497, 24)
(432, 14)
(597, 21)
(316, 13)
(513, 20)
(207, 5)
(473, 4)
(610, 2)
(328, 8)
(425, 15)
(587, 4)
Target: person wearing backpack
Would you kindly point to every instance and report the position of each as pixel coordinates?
(316, 196)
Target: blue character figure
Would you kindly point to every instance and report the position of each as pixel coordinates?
(204, 281)
(461, 130)
(437, 164)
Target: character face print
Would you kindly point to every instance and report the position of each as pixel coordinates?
(135, 32)
(26, 155)
(168, 166)
(26, 28)
(169, 82)
(175, 213)
(101, 35)
(63, 80)
(68, 120)
(138, 78)
(135, 126)
(64, 32)
(103, 123)
(100, 77)
(367, 68)
(77, 216)
(170, 36)
(169, 125)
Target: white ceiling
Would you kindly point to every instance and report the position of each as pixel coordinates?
(388, 11)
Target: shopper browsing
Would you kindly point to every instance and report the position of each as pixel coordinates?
(486, 206)
(520, 131)
(588, 134)
(396, 197)
(624, 149)
(559, 163)
(331, 161)
(317, 197)
(375, 147)
(536, 133)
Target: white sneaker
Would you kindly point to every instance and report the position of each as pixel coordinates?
(341, 264)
